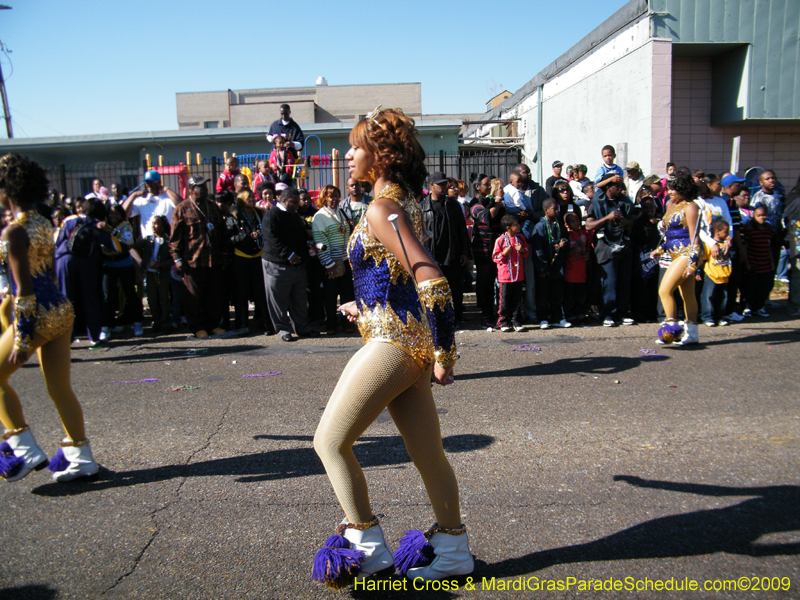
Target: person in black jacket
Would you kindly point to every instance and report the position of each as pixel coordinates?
(448, 240)
(243, 227)
(156, 262)
(285, 250)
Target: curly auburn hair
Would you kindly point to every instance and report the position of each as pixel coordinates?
(685, 185)
(23, 180)
(392, 138)
(325, 195)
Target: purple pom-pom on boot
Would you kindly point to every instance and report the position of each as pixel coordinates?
(413, 551)
(20, 454)
(73, 460)
(336, 564)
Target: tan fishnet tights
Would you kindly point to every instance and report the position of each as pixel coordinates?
(381, 375)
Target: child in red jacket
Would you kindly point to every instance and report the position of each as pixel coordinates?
(510, 250)
(282, 159)
(575, 261)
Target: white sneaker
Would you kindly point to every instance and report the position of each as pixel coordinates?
(563, 323)
(519, 328)
(710, 324)
(137, 330)
(104, 334)
(628, 321)
(722, 323)
(762, 313)
(544, 325)
(735, 317)
(747, 313)
(505, 329)
(609, 322)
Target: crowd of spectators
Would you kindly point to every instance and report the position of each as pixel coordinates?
(575, 251)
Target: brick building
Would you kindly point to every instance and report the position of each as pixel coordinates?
(710, 85)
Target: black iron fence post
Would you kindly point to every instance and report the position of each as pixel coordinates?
(441, 160)
(213, 172)
(62, 178)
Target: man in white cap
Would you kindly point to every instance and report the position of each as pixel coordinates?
(150, 202)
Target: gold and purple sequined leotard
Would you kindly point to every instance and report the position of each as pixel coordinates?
(388, 301)
(677, 241)
(54, 314)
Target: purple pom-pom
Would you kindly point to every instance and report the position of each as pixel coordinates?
(336, 564)
(413, 551)
(59, 462)
(10, 464)
(670, 332)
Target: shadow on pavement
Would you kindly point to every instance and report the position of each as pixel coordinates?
(590, 365)
(148, 354)
(29, 592)
(264, 466)
(733, 529)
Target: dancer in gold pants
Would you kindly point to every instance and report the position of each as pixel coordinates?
(404, 312)
(43, 324)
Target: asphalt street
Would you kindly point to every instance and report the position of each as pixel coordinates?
(582, 454)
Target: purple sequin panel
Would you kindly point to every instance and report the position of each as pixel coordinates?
(373, 285)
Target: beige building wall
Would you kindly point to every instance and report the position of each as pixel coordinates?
(319, 104)
(349, 102)
(194, 109)
(697, 145)
(263, 114)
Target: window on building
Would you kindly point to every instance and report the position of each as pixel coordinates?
(210, 124)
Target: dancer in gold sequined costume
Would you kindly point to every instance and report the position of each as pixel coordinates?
(404, 312)
(42, 323)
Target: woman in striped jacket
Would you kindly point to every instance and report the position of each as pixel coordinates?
(331, 232)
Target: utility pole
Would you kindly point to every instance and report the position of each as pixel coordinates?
(6, 110)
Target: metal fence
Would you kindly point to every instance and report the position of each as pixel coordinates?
(313, 172)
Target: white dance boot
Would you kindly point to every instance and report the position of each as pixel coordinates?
(24, 447)
(453, 557)
(73, 460)
(690, 335)
(377, 556)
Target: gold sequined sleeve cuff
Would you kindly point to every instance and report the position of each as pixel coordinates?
(25, 313)
(437, 300)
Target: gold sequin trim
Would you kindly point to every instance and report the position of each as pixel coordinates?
(56, 321)
(453, 531)
(359, 526)
(433, 293)
(76, 444)
(13, 432)
(41, 246)
(379, 324)
(24, 308)
(675, 209)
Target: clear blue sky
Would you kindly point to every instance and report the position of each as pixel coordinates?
(84, 67)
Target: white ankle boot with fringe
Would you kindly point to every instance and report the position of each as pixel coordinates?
(691, 335)
(355, 550)
(20, 454)
(437, 554)
(73, 460)
(377, 556)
